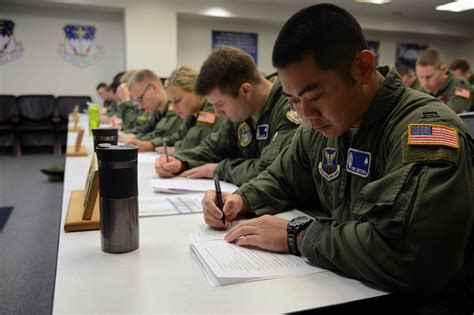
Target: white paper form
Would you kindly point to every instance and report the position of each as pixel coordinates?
(156, 206)
(207, 236)
(182, 185)
(225, 263)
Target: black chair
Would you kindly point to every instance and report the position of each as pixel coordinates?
(8, 123)
(67, 103)
(64, 106)
(38, 121)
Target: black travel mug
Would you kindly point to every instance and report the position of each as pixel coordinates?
(104, 135)
(118, 188)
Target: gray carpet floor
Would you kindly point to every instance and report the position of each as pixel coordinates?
(29, 240)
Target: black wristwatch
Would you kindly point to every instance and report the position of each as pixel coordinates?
(294, 226)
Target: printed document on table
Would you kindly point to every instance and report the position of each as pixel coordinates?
(225, 263)
(180, 185)
(156, 206)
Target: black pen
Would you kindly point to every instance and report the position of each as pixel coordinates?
(220, 203)
(165, 149)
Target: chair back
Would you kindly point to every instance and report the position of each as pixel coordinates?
(8, 108)
(65, 104)
(36, 107)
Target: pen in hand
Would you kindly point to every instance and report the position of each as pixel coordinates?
(165, 150)
(220, 203)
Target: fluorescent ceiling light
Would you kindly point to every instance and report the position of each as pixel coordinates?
(216, 11)
(457, 6)
(374, 1)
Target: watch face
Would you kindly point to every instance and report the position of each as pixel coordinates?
(300, 220)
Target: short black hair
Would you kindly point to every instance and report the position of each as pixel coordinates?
(327, 32)
(116, 81)
(102, 85)
(460, 64)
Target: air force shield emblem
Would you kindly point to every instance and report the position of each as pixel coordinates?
(329, 167)
(80, 47)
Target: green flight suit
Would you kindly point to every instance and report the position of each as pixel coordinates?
(112, 109)
(127, 114)
(107, 103)
(471, 83)
(132, 117)
(195, 128)
(416, 85)
(167, 125)
(153, 119)
(455, 92)
(405, 225)
(243, 150)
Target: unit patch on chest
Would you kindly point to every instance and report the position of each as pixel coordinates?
(329, 167)
(245, 134)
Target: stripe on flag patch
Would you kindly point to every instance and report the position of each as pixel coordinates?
(462, 92)
(426, 134)
(207, 117)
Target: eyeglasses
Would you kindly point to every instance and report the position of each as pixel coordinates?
(139, 99)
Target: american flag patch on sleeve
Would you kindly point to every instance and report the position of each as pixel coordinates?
(462, 92)
(426, 134)
(207, 117)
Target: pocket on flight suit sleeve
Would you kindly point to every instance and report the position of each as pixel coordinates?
(387, 202)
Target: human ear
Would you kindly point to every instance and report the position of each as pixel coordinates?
(444, 68)
(363, 66)
(246, 89)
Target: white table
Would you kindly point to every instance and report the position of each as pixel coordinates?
(162, 277)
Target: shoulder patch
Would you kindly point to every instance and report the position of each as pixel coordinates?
(207, 117)
(142, 119)
(465, 93)
(428, 153)
(432, 135)
(244, 134)
(430, 114)
(292, 116)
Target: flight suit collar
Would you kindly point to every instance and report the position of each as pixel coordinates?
(270, 100)
(447, 83)
(386, 97)
(202, 108)
(164, 111)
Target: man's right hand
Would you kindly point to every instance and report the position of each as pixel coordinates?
(167, 168)
(233, 206)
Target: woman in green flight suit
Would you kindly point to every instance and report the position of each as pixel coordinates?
(199, 117)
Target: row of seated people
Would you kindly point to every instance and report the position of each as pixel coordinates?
(36, 119)
(454, 86)
(237, 137)
(384, 170)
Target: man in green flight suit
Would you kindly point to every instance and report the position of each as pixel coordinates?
(436, 80)
(409, 78)
(260, 122)
(147, 91)
(460, 67)
(387, 168)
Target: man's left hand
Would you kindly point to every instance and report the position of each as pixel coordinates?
(143, 146)
(266, 232)
(203, 171)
